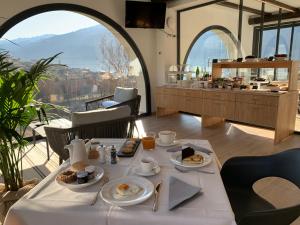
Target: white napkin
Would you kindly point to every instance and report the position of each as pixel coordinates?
(56, 192)
(180, 191)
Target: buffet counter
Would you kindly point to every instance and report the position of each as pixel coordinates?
(276, 110)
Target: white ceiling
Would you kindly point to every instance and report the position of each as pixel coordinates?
(256, 4)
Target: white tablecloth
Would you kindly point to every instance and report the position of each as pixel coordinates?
(50, 204)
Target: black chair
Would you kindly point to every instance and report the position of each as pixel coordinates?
(240, 173)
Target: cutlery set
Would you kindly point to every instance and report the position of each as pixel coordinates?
(104, 180)
(187, 170)
(156, 196)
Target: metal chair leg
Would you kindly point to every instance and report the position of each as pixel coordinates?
(34, 137)
(48, 153)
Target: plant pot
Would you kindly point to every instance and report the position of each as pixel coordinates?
(8, 198)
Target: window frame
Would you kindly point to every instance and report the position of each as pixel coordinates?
(256, 35)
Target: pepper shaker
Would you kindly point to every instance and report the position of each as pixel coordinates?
(113, 155)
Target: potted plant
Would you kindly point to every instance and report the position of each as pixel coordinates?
(18, 89)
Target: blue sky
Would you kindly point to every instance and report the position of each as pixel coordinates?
(55, 22)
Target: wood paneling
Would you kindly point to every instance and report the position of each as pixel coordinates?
(272, 110)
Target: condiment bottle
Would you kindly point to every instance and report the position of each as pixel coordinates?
(102, 154)
(113, 155)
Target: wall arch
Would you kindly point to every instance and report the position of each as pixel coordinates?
(213, 27)
(7, 25)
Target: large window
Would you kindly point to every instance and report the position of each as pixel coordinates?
(212, 43)
(287, 44)
(96, 56)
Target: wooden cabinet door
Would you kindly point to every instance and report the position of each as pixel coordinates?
(256, 114)
(193, 105)
(224, 109)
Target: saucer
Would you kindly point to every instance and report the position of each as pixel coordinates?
(138, 170)
(159, 143)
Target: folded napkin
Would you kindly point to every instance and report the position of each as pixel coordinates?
(195, 147)
(179, 191)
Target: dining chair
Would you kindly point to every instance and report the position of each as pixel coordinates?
(111, 123)
(240, 173)
(122, 96)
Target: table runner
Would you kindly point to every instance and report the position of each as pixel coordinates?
(211, 208)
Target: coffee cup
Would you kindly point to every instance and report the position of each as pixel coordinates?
(167, 136)
(147, 165)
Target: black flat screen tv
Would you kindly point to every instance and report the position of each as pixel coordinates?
(145, 14)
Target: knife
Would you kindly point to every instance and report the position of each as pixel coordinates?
(156, 193)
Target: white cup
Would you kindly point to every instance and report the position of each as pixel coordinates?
(147, 165)
(167, 136)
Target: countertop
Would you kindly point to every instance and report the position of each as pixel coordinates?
(256, 92)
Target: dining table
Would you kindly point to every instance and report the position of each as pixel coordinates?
(52, 204)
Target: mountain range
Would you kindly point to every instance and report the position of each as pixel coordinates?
(80, 49)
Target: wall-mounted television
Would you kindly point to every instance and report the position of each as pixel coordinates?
(145, 14)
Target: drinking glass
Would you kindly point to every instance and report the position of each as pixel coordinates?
(148, 141)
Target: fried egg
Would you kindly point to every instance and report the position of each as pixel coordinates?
(126, 190)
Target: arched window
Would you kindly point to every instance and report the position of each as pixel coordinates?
(214, 42)
(98, 53)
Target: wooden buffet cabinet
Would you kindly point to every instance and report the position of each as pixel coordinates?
(276, 110)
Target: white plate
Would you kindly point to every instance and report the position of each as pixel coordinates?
(159, 143)
(99, 172)
(109, 189)
(138, 170)
(176, 159)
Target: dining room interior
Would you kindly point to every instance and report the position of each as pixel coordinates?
(150, 112)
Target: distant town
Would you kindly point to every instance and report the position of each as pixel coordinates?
(72, 87)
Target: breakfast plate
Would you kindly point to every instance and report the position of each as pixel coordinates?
(176, 159)
(99, 172)
(159, 143)
(127, 191)
(138, 170)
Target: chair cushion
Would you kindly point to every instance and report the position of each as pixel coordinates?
(125, 94)
(244, 201)
(99, 115)
(107, 104)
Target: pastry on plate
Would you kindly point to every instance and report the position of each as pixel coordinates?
(126, 190)
(127, 150)
(67, 176)
(194, 159)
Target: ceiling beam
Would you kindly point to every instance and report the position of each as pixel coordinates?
(274, 17)
(280, 5)
(245, 8)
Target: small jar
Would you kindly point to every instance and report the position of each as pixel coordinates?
(82, 177)
(91, 172)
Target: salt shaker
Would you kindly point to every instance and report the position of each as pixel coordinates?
(113, 155)
(102, 154)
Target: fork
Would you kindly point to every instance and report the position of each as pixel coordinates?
(104, 181)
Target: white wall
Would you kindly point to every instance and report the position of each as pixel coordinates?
(115, 9)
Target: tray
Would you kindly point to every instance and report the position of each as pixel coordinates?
(135, 147)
